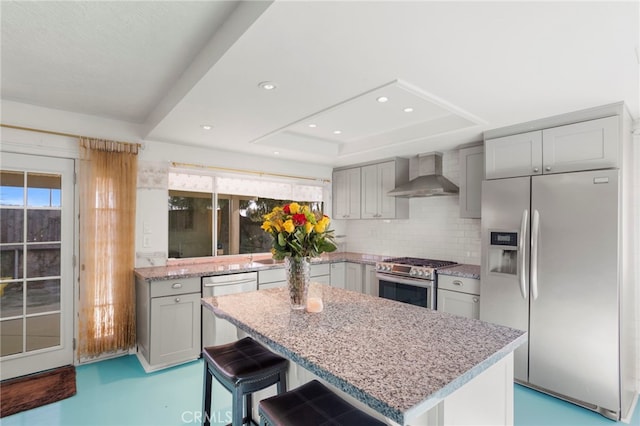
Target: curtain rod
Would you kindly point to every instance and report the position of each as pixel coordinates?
(254, 172)
(71, 135)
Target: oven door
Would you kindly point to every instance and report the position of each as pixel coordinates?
(414, 291)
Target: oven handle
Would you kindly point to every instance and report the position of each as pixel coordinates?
(402, 280)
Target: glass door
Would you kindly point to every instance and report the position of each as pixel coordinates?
(36, 263)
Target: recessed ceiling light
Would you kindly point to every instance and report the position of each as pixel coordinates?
(382, 99)
(337, 132)
(313, 126)
(207, 126)
(267, 85)
(276, 152)
(408, 109)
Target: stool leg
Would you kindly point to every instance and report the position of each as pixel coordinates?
(249, 407)
(236, 407)
(206, 392)
(282, 383)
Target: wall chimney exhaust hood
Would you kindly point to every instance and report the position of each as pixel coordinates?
(425, 172)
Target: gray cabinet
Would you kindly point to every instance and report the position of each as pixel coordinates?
(338, 274)
(370, 281)
(376, 181)
(471, 176)
(459, 296)
(346, 194)
(168, 322)
(271, 278)
(353, 276)
(587, 145)
(320, 273)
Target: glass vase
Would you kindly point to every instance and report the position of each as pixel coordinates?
(297, 272)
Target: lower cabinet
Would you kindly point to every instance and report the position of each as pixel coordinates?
(338, 274)
(168, 322)
(271, 278)
(353, 276)
(459, 296)
(370, 281)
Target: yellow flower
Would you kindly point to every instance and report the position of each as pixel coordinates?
(266, 225)
(289, 226)
(319, 227)
(294, 208)
(278, 225)
(308, 227)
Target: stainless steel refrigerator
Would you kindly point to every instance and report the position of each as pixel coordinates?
(550, 265)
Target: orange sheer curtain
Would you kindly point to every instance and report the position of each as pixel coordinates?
(107, 184)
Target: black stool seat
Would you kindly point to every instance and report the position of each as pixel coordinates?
(242, 367)
(312, 404)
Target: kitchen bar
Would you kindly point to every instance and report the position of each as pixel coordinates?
(408, 364)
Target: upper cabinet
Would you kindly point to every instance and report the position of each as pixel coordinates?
(471, 176)
(586, 145)
(346, 194)
(377, 181)
(361, 192)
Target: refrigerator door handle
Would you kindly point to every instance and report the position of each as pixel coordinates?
(522, 258)
(535, 235)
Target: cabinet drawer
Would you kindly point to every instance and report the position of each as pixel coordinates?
(177, 286)
(320, 269)
(271, 275)
(461, 284)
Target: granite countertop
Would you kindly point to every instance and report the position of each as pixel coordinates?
(391, 356)
(236, 264)
(461, 270)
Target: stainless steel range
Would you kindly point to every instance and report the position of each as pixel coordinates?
(410, 280)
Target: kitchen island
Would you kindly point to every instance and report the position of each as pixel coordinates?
(406, 364)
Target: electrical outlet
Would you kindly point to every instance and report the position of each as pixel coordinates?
(146, 241)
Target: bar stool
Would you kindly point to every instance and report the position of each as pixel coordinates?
(312, 404)
(242, 367)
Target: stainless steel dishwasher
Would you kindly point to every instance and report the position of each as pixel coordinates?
(216, 331)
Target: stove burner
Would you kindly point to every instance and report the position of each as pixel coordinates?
(416, 261)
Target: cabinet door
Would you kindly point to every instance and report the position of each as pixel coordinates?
(353, 277)
(346, 194)
(175, 328)
(370, 191)
(515, 155)
(338, 274)
(462, 304)
(370, 281)
(386, 182)
(471, 176)
(582, 146)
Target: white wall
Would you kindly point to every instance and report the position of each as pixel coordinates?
(636, 168)
(433, 230)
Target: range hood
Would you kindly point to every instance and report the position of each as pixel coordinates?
(425, 172)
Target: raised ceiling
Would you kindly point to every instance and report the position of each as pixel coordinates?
(464, 67)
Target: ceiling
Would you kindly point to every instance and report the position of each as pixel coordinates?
(463, 67)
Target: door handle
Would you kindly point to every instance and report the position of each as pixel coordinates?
(535, 236)
(522, 258)
(223, 283)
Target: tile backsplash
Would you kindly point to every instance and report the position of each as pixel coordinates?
(434, 228)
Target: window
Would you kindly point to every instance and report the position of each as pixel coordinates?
(239, 202)
(237, 223)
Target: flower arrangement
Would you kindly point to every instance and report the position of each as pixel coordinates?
(298, 232)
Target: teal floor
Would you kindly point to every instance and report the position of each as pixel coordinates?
(118, 392)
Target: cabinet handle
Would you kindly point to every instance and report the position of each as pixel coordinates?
(176, 285)
(177, 300)
(536, 170)
(457, 282)
(475, 300)
(548, 168)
